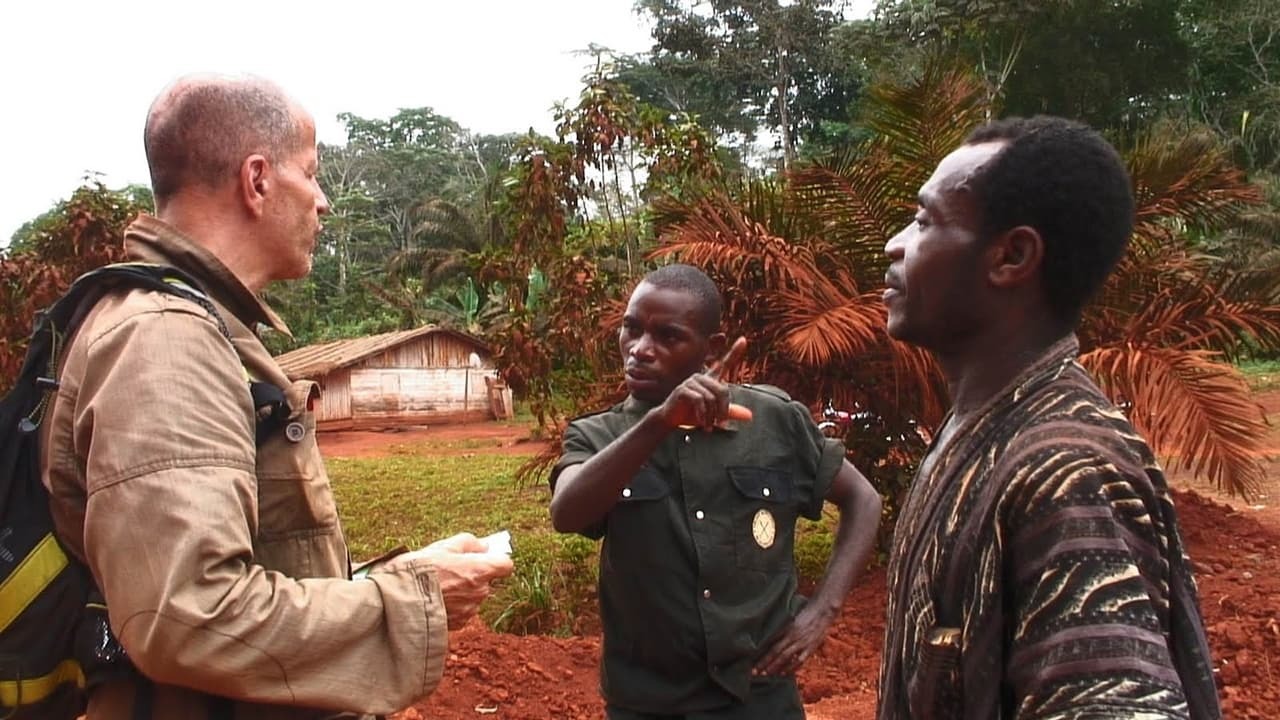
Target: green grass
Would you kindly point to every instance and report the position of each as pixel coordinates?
(1262, 375)
(415, 498)
(428, 447)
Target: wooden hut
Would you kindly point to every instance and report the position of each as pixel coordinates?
(427, 375)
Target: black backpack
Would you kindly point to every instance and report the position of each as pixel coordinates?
(54, 638)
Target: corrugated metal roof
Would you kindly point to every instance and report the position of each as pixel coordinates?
(314, 361)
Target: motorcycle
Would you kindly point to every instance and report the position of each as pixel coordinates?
(836, 423)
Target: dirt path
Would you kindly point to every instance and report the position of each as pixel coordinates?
(507, 438)
(1235, 546)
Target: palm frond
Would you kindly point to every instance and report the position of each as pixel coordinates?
(416, 263)
(923, 121)
(1261, 222)
(718, 234)
(1185, 179)
(864, 196)
(820, 333)
(918, 381)
(1192, 407)
(860, 201)
(1165, 295)
(442, 224)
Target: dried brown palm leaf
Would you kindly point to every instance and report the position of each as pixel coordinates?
(1162, 295)
(915, 368)
(717, 234)
(1194, 409)
(818, 331)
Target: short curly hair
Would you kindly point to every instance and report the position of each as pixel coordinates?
(1063, 179)
(691, 280)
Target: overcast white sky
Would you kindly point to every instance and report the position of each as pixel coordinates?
(76, 77)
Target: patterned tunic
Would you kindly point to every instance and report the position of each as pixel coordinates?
(1037, 569)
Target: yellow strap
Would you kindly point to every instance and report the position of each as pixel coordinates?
(30, 692)
(32, 575)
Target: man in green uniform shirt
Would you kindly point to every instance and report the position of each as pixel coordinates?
(697, 511)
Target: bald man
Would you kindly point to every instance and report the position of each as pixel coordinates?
(220, 555)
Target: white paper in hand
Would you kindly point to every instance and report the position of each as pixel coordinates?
(498, 543)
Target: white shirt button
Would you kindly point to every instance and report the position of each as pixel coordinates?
(687, 439)
(706, 593)
(699, 514)
(766, 492)
(626, 492)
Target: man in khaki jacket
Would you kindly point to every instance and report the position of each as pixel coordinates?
(222, 562)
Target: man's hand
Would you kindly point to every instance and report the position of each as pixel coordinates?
(464, 567)
(799, 640)
(702, 400)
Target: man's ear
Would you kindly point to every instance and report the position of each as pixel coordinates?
(255, 182)
(1014, 257)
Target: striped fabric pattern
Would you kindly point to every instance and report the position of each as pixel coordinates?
(1038, 571)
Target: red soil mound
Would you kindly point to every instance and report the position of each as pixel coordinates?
(528, 678)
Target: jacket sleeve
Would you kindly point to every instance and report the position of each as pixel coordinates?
(1087, 575)
(163, 425)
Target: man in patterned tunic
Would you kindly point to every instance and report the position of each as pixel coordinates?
(1037, 568)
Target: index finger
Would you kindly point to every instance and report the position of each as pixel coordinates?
(731, 359)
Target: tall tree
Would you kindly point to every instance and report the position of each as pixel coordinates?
(1235, 74)
(1112, 64)
(740, 65)
(352, 221)
(411, 155)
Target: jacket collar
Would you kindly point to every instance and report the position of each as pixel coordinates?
(148, 239)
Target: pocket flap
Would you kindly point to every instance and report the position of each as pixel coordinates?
(302, 396)
(762, 483)
(647, 484)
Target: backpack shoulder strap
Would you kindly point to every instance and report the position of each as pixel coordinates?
(145, 276)
(55, 325)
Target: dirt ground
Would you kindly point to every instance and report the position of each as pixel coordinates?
(506, 677)
(501, 437)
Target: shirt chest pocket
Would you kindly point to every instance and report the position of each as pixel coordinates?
(764, 518)
(638, 521)
(294, 497)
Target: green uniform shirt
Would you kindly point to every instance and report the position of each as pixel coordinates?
(697, 571)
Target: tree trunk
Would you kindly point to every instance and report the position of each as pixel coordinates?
(344, 260)
(784, 116)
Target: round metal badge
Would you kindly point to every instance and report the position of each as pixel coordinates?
(764, 529)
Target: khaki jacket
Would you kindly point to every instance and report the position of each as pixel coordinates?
(223, 564)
